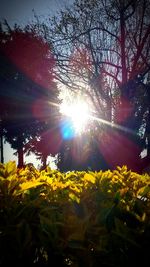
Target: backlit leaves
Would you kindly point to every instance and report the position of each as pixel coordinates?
(49, 215)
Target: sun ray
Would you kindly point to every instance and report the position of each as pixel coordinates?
(77, 112)
(111, 124)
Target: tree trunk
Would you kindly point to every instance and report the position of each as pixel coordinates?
(1, 142)
(44, 162)
(2, 148)
(20, 152)
(20, 158)
(148, 134)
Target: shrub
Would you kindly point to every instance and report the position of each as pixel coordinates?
(90, 219)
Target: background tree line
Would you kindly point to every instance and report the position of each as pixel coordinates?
(101, 51)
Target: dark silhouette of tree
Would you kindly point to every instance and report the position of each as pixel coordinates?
(48, 143)
(28, 89)
(1, 142)
(81, 153)
(102, 51)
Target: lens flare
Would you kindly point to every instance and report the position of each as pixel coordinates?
(78, 113)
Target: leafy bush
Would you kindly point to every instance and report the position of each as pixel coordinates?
(90, 219)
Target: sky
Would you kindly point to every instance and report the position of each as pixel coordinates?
(21, 12)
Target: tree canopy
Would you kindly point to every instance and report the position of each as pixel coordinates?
(27, 87)
(102, 51)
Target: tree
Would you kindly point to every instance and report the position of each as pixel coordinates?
(48, 143)
(26, 81)
(102, 50)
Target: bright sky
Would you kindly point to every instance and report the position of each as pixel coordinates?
(21, 12)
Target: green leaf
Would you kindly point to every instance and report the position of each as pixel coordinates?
(144, 191)
(79, 209)
(29, 184)
(117, 198)
(10, 168)
(76, 244)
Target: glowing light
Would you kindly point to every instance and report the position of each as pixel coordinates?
(78, 113)
(67, 130)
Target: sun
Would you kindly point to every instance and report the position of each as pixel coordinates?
(78, 112)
